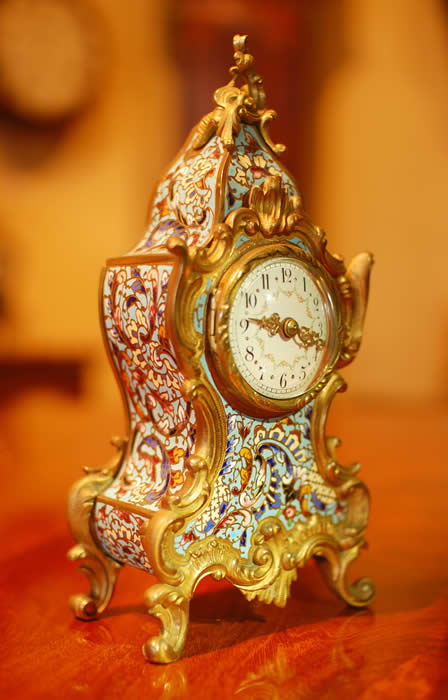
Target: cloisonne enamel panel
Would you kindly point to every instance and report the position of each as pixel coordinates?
(162, 422)
(269, 467)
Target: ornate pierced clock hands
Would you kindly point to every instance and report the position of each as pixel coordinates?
(271, 323)
(289, 328)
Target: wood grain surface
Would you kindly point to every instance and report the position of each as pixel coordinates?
(313, 648)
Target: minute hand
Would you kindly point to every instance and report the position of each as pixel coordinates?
(289, 328)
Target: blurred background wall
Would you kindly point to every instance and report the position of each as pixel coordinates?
(96, 96)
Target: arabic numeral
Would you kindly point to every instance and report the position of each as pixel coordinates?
(244, 324)
(286, 274)
(315, 301)
(304, 284)
(265, 281)
(251, 300)
(249, 356)
(283, 381)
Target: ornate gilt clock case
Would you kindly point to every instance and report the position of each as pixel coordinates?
(226, 327)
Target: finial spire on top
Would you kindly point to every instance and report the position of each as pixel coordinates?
(235, 105)
(244, 65)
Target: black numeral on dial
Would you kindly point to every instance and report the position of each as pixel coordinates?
(249, 353)
(286, 275)
(251, 301)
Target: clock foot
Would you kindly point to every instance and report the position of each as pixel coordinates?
(101, 571)
(334, 570)
(171, 606)
(102, 574)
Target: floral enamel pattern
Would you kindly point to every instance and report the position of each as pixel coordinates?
(251, 165)
(119, 531)
(185, 200)
(163, 422)
(269, 470)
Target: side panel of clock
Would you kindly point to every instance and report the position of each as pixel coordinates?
(161, 422)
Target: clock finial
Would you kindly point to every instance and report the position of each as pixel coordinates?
(244, 66)
(235, 105)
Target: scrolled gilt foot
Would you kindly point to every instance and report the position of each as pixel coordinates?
(360, 593)
(102, 574)
(101, 570)
(171, 606)
(334, 569)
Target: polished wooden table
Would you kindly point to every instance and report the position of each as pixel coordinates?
(314, 648)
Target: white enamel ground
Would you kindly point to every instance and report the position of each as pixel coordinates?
(273, 366)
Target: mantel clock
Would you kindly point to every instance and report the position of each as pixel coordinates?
(226, 327)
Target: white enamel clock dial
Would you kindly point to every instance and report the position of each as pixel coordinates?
(279, 328)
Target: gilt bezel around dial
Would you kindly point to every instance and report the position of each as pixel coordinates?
(282, 392)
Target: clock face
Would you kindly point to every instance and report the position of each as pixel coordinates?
(279, 328)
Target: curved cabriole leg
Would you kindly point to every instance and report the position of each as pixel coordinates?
(334, 569)
(101, 570)
(171, 606)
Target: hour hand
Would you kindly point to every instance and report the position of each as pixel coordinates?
(271, 323)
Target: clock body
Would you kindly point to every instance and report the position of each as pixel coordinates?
(225, 327)
(259, 434)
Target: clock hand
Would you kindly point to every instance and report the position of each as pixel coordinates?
(271, 323)
(289, 328)
(302, 335)
(307, 338)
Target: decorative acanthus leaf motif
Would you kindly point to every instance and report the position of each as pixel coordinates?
(358, 278)
(237, 104)
(272, 204)
(278, 591)
(243, 64)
